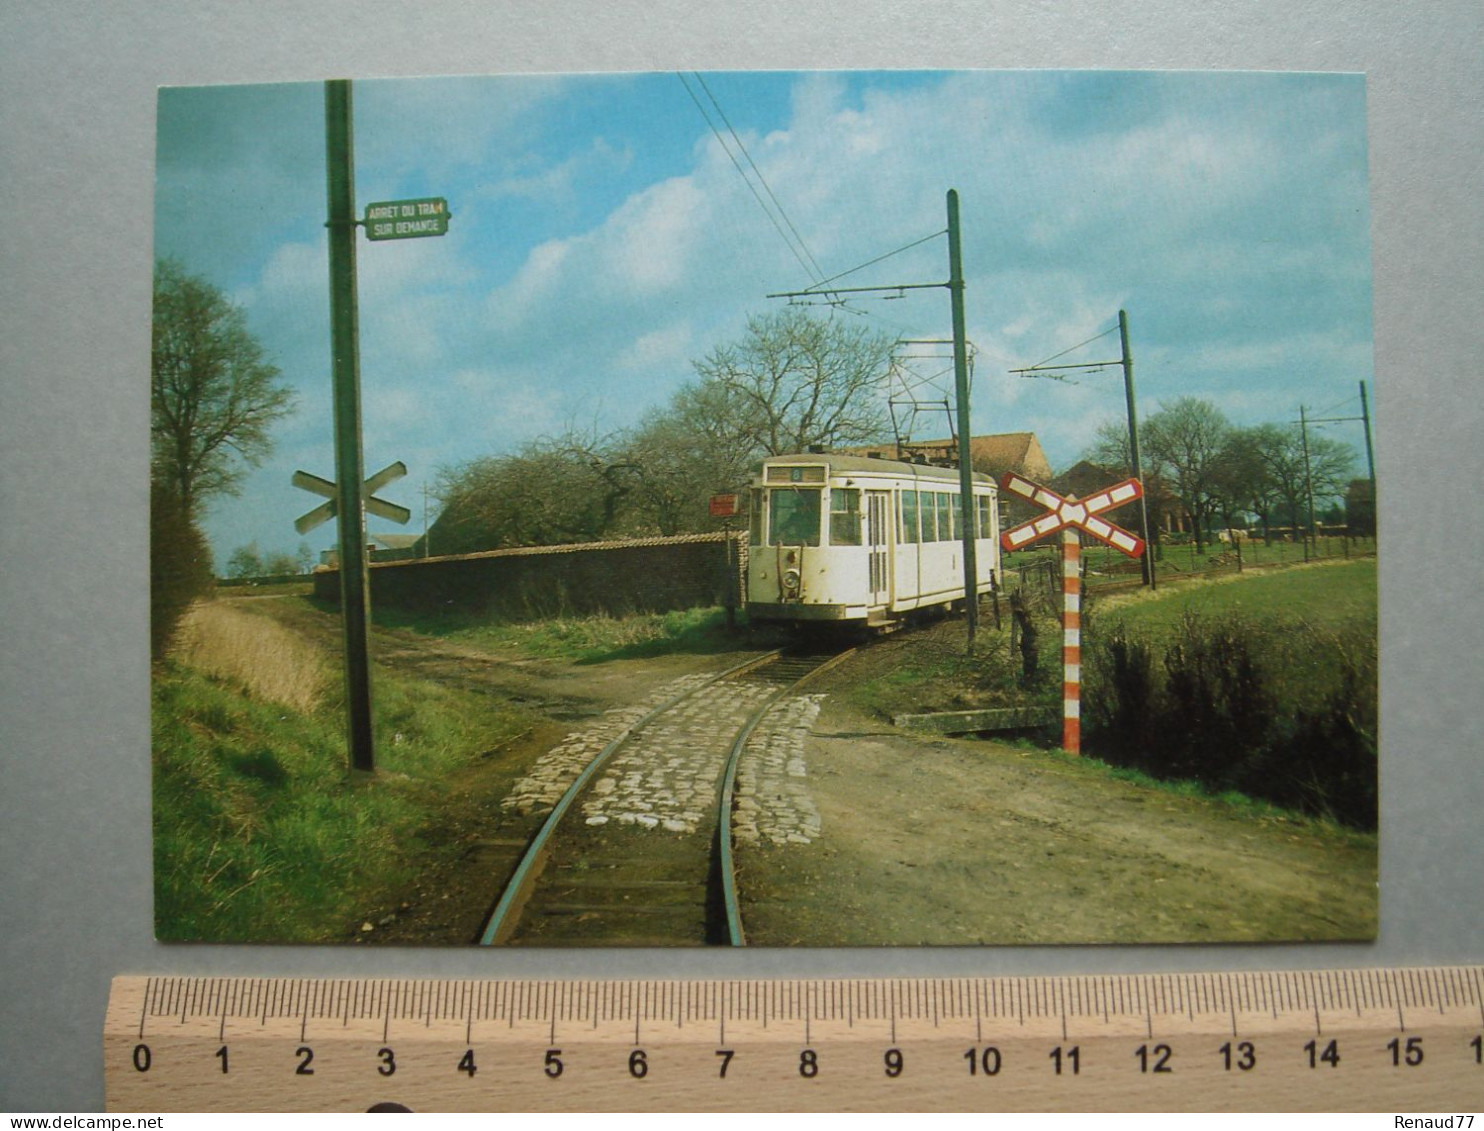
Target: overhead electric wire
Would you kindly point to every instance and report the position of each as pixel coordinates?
(1078, 346)
(805, 259)
(761, 179)
(1336, 407)
(792, 237)
(879, 258)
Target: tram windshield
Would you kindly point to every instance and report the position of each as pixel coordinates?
(793, 516)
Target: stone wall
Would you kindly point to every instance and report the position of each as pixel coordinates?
(638, 575)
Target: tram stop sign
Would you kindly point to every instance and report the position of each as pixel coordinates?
(407, 219)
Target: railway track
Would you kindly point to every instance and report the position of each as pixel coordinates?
(593, 875)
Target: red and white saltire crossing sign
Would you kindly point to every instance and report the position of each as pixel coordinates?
(1070, 516)
(1081, 513)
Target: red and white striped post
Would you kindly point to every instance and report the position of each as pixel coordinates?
(1071, 646)
(1069, 515)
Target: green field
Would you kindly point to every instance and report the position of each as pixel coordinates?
(1330, 593)
(1264, 683)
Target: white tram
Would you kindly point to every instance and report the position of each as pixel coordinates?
(862, 541)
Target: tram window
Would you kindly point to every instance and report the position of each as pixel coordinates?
(945, 517)
(845, 516)
(755, 518)
(986, 521)
(929, 515)
(909, 517)
(793, 516)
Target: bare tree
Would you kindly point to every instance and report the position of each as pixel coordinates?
(1110, 450)
(1280, 449)
(686, 452)
(214, 395)
(1189, 438)
(795, 381)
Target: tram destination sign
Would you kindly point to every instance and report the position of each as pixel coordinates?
(407, 219)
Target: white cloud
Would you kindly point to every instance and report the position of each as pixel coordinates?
(668, 347)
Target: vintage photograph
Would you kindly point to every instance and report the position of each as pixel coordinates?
(882, 508)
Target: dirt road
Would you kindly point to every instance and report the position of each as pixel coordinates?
(957, 842)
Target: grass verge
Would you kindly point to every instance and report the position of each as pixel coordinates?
(260, 832)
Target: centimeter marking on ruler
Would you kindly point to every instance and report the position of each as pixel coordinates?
(1379, 1039)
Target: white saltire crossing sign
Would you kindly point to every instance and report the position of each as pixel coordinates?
(1079, 513)
(326, 511)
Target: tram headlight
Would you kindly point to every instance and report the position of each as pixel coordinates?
(791, 581)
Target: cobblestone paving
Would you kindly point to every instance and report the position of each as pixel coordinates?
(554, 771)
(666, 779)
(773, 800)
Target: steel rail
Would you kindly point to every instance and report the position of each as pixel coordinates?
(502, 920)
(736, 936)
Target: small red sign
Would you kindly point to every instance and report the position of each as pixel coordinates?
(726, 506)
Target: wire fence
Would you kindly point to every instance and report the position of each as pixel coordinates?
(1105, 569)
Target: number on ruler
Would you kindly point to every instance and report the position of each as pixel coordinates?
(986, 1060)
(894, 1062)
(1072, 1058)
(1409, 1054)
(1330, 1055)
(1245, 1059)
(1156, 1061)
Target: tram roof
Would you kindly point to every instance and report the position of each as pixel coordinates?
(838, 463)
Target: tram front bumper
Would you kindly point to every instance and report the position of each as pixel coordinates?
(797, 610)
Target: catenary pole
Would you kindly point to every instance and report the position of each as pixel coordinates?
(1308, 481)
(1370, 455)
(1135, 466)
(961, 386)
(349, 472)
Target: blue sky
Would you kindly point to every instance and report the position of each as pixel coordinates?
(602, 239)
